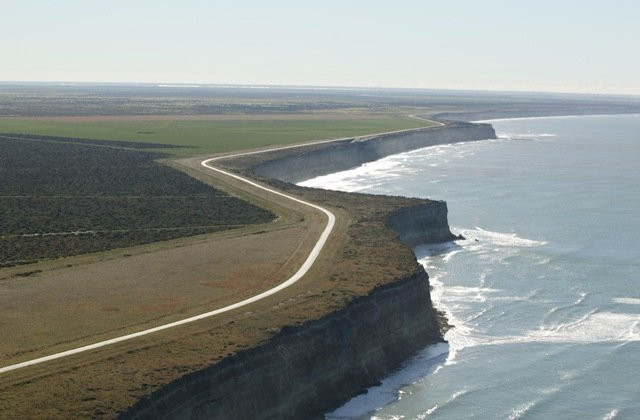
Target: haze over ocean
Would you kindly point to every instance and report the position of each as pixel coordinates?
(543, 294)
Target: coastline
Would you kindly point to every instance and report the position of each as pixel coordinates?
(443, 401)
(429, 219)
(567, 116)
(300, 273)
(317, 301)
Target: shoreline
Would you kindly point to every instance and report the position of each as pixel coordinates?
(568, 116)
(366, 263)
(482, 330)
(361, 405)
(413, 225)
(312, 195)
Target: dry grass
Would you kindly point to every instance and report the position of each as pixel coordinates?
(54, 310)
(362, 254)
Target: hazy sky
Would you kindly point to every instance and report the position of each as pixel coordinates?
(559, 45)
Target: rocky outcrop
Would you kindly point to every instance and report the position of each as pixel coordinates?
(339, 156)
(422, 224)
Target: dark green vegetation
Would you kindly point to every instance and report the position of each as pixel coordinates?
(89, 142)
(58, 198)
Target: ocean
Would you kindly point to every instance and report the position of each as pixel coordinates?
(543, 295)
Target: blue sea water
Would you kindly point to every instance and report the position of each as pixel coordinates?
(544, 293)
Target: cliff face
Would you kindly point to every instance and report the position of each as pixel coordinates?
(340, 156)
(422, 224)
(305, 370)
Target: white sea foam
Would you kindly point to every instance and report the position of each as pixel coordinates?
(499, 239)
(475, 281)
(434, 408)
(552, 117)
(593, 327)
(523, 136)
(388, 391)
(352, 180)
(557, 309)
(520, 411)
(611, 415)
(374, 174)
(455, 300)
(627, 301)
(521, 298)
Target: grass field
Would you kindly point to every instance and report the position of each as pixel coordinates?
(212, 136)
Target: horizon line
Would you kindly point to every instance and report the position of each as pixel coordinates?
(195, 85)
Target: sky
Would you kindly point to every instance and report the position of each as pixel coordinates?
(558, 46)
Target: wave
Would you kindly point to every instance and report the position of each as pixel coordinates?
(552, 117)
(520, 411)
(627, 301)
(611, 415)
(455, 300)
(358, 179)
(560, 308)
(593, 327)
(498, 238)
(388, 391)
(573, 323)
(374, 174)
(504, 135)
(433, 409)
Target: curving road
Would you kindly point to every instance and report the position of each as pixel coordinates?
(308, 263)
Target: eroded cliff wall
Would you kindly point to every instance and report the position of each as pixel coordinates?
(305, 370)
(306, 164)
(422, 224)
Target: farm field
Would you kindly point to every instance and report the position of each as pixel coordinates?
(62, 198)
(201, 135)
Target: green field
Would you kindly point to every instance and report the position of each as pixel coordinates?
(207, 137)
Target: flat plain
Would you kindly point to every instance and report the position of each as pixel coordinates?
(203, 136)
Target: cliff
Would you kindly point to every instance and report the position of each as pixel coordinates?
(305, 370)
(307, 163)
(422, 224)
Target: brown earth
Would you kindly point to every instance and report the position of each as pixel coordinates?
(361, 254)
